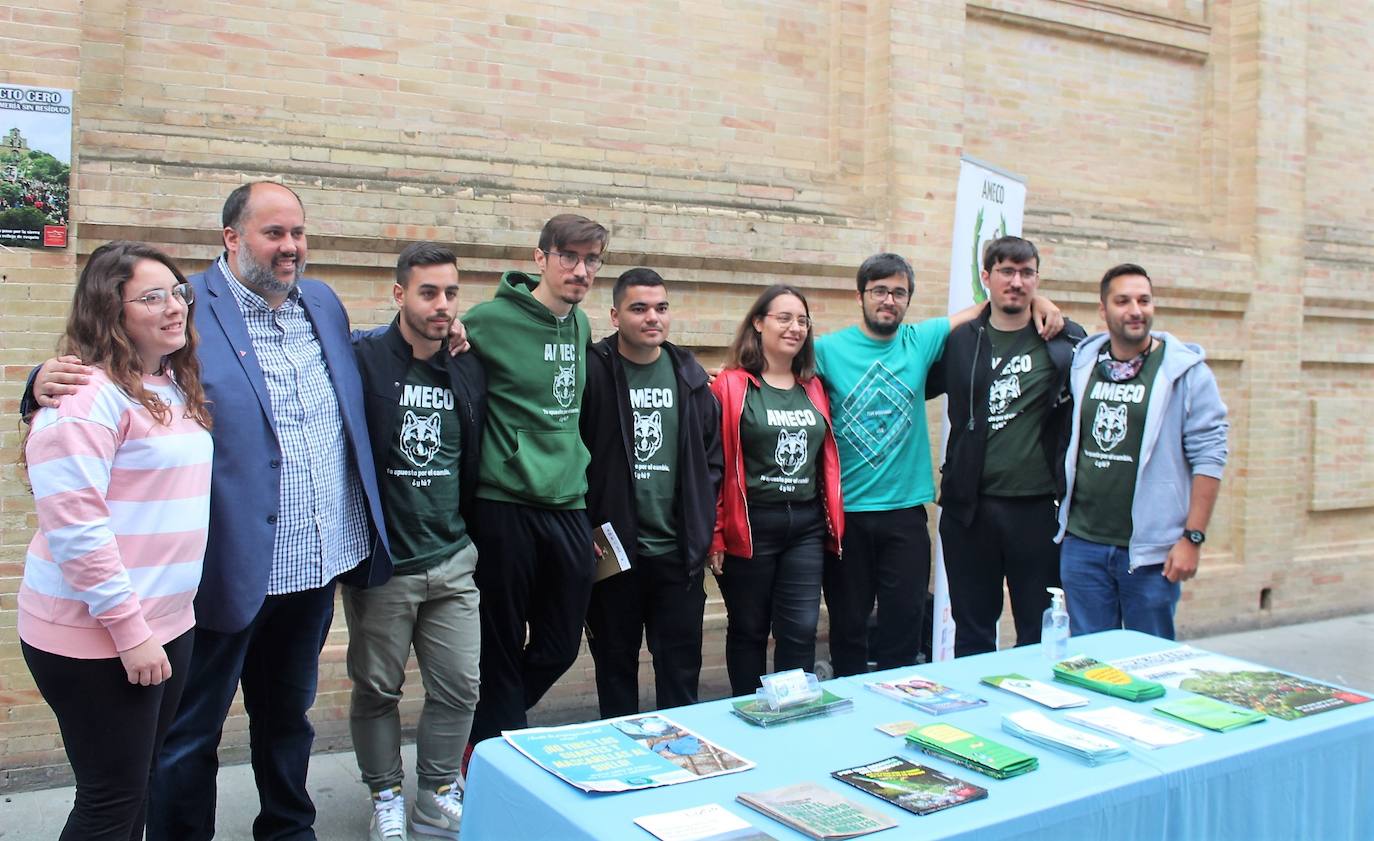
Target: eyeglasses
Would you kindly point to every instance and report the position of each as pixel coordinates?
(156, 301)
(569, 261)
(1007, 272)
(878, 294)
(787, 319)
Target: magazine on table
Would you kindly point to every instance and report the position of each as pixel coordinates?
(624, 754)
(1239, 682)
(815, 811)
(712, 822)
(925, 695)
(913, 787)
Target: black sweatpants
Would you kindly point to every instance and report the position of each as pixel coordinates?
(534, 571)
(657, 597)
(887, 557)
(111, 730)
(1012, 538)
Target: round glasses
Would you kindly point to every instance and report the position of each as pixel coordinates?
(156, 300)
(569, 260)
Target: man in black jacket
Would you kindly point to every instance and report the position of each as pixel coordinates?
(653, 429)
(425, 411)
(1009, 415)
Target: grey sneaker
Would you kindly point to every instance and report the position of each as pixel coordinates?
(388, 816)
(438, 813)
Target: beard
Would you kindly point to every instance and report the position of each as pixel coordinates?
(880, 328)
(261, 278)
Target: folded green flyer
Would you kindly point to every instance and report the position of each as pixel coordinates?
(755, 710)
(1205, 712)
(974, 752)
(1099, 677)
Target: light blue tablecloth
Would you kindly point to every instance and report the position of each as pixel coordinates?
(1312, 778)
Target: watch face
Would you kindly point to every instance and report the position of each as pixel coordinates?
(1194, 536)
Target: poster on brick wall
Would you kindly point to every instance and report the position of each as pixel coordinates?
(990, 204)
(35, 165)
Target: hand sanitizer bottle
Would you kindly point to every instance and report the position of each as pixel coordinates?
(1054, 628)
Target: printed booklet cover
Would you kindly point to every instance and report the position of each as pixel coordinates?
(816, 811)
(913, 787)
(712, 822)
(624, 754)
(756, 711)
(1241, 683)
(925, 695)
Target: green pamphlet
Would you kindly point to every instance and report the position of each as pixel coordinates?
(974, 752)
(756, 711)
(1205, 712)
(1109, 680)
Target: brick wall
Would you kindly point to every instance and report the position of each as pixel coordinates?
(731, 145)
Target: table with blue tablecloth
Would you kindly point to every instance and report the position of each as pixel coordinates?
(1310, 778)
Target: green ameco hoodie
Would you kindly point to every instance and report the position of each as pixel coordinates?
(532, 453)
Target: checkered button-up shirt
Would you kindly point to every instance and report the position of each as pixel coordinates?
(321, 524)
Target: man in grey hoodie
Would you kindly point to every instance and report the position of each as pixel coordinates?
(1143, 468)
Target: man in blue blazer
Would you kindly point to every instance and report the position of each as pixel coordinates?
(293, 507)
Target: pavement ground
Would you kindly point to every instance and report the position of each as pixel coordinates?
(1339, 651)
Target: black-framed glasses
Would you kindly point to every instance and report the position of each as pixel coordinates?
(787, 319)
(156, 300)
(1009, 272)
(569, 260)
(878, 294)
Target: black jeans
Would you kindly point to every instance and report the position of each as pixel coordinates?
(654, 597)
(779, 588)
(277, 661)
(887, 557)
(112, 730)
(534, 571)
(1011, 537)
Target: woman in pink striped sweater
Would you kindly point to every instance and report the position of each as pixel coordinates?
(121, 481)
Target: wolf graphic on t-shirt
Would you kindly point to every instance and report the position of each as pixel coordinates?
(564, 382)
(1109, 425)
(420, 437)
(791, 451)
(1002, 392)
(648, 434)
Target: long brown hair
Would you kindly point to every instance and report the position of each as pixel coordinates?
(95, 330)
(746, 351)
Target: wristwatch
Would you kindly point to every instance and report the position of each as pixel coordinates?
(1195, 536)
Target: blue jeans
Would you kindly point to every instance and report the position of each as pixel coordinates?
(1103, 594)
(778, 589)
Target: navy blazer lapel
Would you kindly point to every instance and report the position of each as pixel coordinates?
(230, 319)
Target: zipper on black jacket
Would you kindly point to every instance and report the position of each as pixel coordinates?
(972, 374)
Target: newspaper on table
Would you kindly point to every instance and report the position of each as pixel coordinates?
(624, 754)
(1239, 682)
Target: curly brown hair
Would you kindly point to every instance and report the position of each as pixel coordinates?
(95, 330)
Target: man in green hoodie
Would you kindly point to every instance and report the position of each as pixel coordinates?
(536, 564)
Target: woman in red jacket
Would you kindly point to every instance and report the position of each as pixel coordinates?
(780, 508)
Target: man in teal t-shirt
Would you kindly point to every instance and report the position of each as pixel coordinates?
(875, 376)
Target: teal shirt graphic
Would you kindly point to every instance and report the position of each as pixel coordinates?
(877, 396)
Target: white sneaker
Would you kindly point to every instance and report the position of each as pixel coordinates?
(388, 816)
(438, 813)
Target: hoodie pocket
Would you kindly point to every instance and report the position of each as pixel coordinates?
(548, 465)
(1165, 506)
